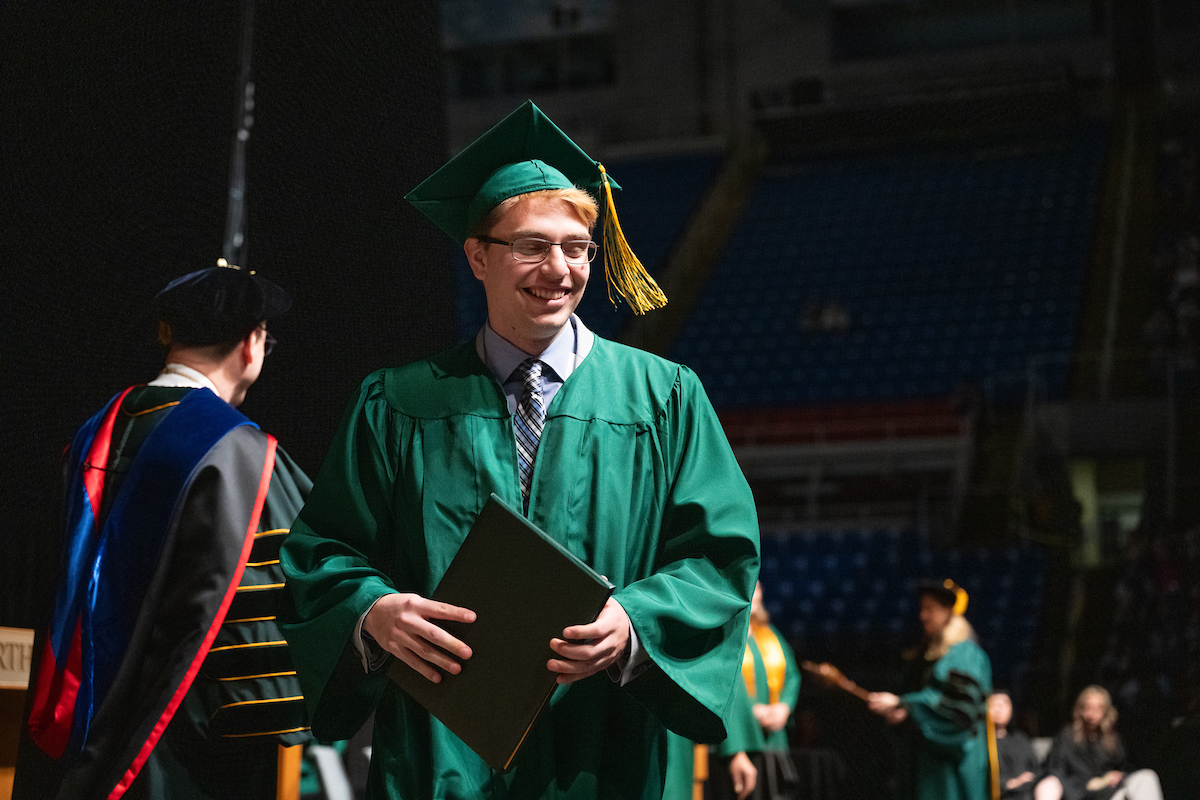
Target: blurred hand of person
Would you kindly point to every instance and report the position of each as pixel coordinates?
(1020, 780)
(743, 774)
(887, 705)
(1105, 781)
(882, 702)
(772, 717)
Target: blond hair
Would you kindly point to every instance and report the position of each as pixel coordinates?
(1108, 723)
(582, 204)
(956, 630)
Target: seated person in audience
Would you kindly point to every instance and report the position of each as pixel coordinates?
(1019, 765)
(1088, 760)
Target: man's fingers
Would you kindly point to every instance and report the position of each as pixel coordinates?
(435, 656)
(612, 618)
(434, 609)
(439, 636)
(421, 666)
(593, 630)
(569, 667)
(578, 652)
(572, 671)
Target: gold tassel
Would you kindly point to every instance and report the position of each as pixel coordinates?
(622, 268)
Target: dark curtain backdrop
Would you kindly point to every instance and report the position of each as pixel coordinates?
(116, 127)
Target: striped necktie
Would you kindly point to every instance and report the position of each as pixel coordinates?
(527, 424)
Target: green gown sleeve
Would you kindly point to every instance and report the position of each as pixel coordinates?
(951, 707)
(692, 614)
(331, 578)
(745, 734)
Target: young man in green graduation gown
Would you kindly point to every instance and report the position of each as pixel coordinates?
(615, 453)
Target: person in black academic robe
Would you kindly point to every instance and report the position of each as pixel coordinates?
(163, 673)
(1018, 764)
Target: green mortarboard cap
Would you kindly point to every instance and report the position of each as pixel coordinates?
(524, 152)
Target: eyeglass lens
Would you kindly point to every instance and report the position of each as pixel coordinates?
(532, 249)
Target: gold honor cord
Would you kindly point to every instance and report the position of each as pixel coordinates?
(774, 661)
(993, 757)
(622, 268)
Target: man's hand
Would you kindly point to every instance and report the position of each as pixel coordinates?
(743, 774)
(400, 623)
(771, 717)
(587, 649)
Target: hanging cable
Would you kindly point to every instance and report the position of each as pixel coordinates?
(234, 250)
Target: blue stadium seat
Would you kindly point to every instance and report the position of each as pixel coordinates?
(935, 225)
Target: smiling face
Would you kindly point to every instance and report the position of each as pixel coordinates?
(529, 304)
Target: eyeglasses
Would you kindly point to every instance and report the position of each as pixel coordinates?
(532, 250)
(269, 344)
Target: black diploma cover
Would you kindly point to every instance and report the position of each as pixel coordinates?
(524, 588)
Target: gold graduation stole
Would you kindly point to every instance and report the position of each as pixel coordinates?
(774, 661)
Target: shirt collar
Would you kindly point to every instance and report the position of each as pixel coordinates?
(180, 375)
(503, 357)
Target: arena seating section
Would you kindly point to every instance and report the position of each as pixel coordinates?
(949, 264)
(658, 196)
(849, 597)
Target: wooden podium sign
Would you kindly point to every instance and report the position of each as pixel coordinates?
(16, 657)
(16, 663)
